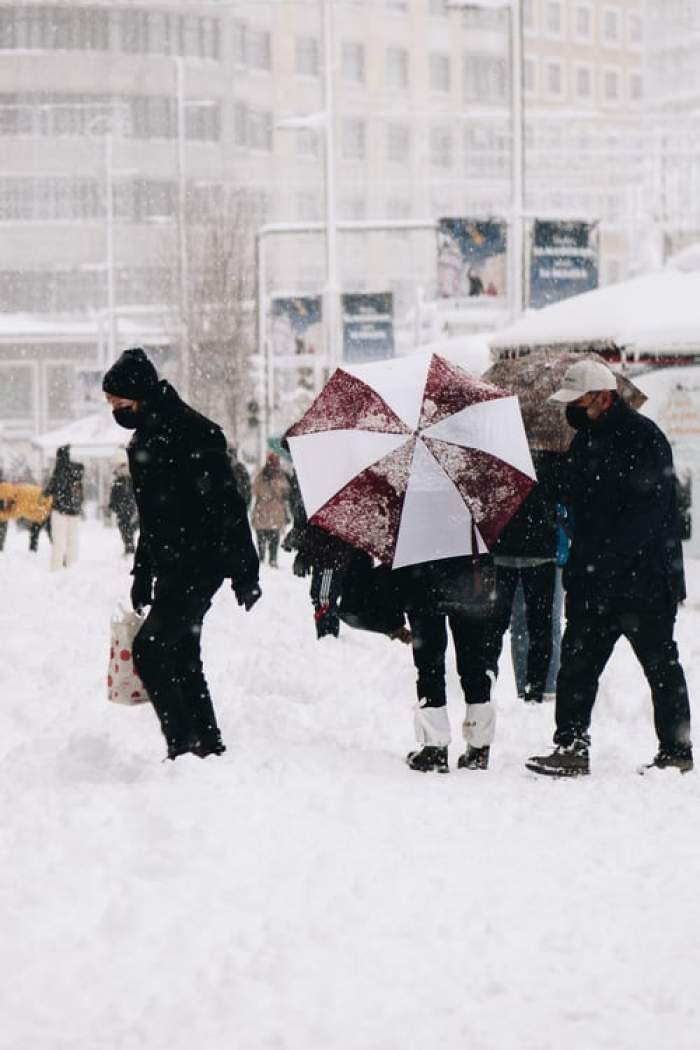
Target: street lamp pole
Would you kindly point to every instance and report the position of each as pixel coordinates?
(183, 272)
(109, 209)
(517, 234)
(516, 238)
(332, 304)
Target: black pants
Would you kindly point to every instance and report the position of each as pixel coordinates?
(127, 528)
(3, 533)
(538, 590)
(589, 639)
(167, 656)
(268, 539)
(429, 642)
(325, 596)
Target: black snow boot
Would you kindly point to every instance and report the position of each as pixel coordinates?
(177, 748)
(474, 758)
(532, 695)
(209, 745)
(428, 760)
(681, 760)
(565, 761)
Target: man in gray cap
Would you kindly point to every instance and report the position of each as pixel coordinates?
(625, 570)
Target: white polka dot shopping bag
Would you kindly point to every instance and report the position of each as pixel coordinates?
(123, 683)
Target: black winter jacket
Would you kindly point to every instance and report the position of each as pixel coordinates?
(192, 518)
(121, 497)
(532, 532)
(66, 486)
(620, 489)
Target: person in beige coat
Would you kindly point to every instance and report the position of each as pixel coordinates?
(271, 492)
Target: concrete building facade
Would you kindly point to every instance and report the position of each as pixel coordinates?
(91, 125)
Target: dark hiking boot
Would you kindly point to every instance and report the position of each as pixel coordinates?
(532, 695)
(211, 745)
(571, 761)
(680, 760)
(474, 758)
(428, 760)
(177, 748)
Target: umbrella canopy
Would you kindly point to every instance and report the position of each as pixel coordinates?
(412, 459)
(534, 378)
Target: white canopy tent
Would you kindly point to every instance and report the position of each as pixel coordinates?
(96, 436)
(655, 318)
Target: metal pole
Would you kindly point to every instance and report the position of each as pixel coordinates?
(109, 209)
(517, 232)
(263, 347)
(183, 273)
(333, 350)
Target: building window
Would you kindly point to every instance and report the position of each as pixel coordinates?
(53, 28)
(484, 78)
(399, 6)
(16, 392)
(553, 23)
(583, 22)
(439, 72)
(260, 129)
(438, 8)
(240, 48)
(555, 80)
(398, 143)
(307, 143)
(611, 85)
(354, 137)
(259, 50)
(636, 87)
(635, 30)
(353, 61)
(397, 68)
(307, 60)
(441, 147)
(583, 82)
(611, 26)
(529, 15)
(529, 75)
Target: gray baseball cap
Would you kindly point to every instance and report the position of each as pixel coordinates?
(585, 377)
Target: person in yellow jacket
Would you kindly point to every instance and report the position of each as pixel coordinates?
(22, 501)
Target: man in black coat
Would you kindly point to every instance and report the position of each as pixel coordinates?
(194, 533)
(625, 570)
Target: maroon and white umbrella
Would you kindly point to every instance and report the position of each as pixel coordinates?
(412, 459)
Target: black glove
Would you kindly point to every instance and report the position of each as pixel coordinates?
(248, 596)
(301, 565)
(142, 591)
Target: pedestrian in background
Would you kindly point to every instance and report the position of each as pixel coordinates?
(122, 503)
(525, 555)
(66, 489)
(271, 491)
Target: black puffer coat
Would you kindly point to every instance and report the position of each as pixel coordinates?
(191, 515)
(620, 489)
(66, 484)
(532, 532)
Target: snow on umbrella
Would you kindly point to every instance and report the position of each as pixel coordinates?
(537, 375)
(412, 459)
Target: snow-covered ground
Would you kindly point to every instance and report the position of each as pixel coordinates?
(307, 891)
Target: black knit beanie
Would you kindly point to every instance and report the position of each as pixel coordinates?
(132, 375)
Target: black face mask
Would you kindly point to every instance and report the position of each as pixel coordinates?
(127, 417)
(577, 417)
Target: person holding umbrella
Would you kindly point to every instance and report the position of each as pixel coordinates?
(421, 465)
(624, 576)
